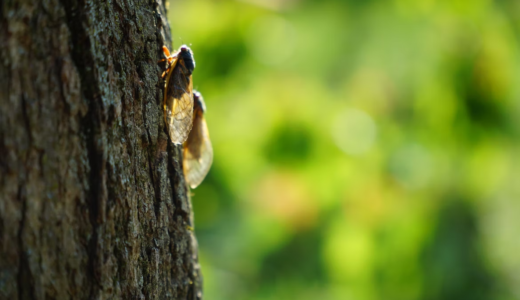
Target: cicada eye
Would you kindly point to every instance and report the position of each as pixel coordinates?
(199, 101)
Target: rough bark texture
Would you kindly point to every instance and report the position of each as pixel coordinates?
(93, 203)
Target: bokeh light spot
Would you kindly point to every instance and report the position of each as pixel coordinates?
(354, 132)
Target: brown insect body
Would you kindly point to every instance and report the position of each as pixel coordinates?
(178, 94)
(198, 152)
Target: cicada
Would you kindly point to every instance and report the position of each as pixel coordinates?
(178, 93)
(198, 153)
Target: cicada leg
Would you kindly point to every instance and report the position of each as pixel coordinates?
(171, 60)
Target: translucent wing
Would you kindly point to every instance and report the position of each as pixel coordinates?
(178, 102)
(198, 153)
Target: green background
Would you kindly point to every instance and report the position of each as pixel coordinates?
(363, 149)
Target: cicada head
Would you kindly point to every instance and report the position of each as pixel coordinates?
(186, 55)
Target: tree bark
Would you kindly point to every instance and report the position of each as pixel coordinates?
(93, 202)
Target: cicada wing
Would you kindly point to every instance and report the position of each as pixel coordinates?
(178, 104)
(198, 152)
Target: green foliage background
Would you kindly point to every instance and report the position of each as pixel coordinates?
(363, 149)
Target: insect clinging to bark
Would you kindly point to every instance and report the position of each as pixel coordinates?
(178, 93)
(198, 152)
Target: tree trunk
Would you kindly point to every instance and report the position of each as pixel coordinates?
(93, 202)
